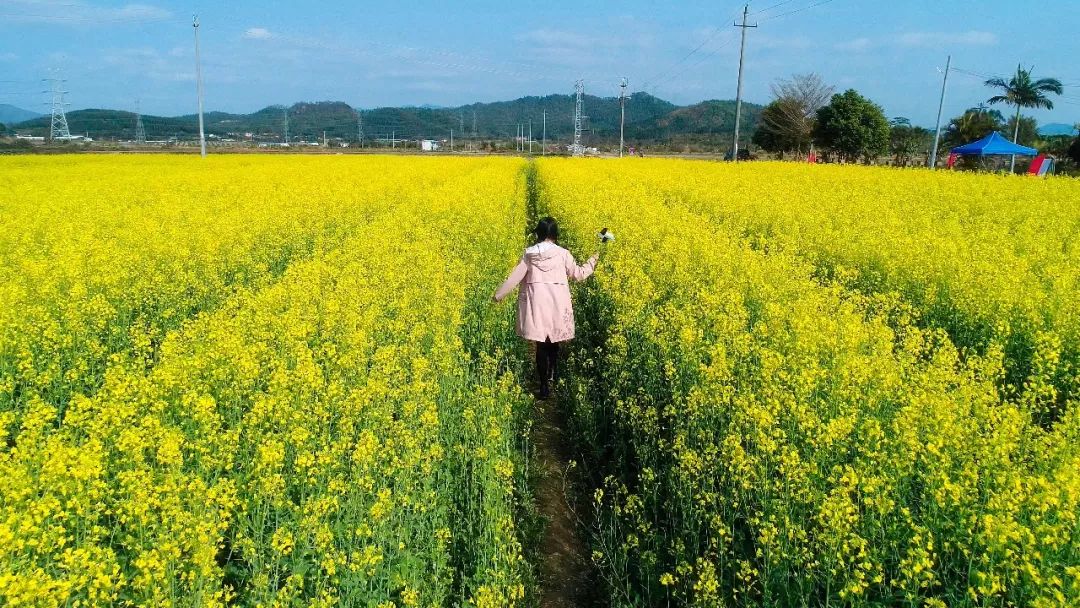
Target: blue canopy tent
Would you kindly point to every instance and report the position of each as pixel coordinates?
(994, 145)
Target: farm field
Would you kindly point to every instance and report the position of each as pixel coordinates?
(257, 382)
(279, 381)
(788, 411)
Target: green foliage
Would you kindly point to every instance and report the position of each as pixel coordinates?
(906, 141)
(1029, 130)
(648, 120)
(972, 125)
(852, 126)
(1024, 91)
(775, 132)
(1074, 151)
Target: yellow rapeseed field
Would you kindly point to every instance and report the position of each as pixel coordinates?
(252, 382)
(271, 381)
(781, 409)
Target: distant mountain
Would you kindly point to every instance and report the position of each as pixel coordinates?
(1057, 130)
(649, 119)
(10, 114)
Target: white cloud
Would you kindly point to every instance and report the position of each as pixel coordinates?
(148, 63)
(943, 39)
(64, 12)
(139, 12)
(858, 45)
(258, 33)
(560, 38)
(782, 43)
(930, 40)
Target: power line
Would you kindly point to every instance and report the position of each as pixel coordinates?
(655, 87)
(666, 73)
(777, 5)
(798, 10)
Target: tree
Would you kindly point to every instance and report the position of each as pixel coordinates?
(788, 122)
(1027, 132)
(1023, 91)
(853, 127)
(1074, 150)
(972, 125)
(773, 133)
(905, 140)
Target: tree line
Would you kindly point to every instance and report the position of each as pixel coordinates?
(807, 114)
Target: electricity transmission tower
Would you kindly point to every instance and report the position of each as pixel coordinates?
(58, 129)
(578, 150)
(140, 131)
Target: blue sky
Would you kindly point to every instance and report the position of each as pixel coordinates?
(378, 53)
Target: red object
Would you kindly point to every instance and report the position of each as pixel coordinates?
(1039, 166)
(812, 157)
(952, 161)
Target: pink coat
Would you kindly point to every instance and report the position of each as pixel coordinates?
(544, 308)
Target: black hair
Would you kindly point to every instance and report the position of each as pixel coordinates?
(547, 228)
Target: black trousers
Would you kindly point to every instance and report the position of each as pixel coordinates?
(547, 361)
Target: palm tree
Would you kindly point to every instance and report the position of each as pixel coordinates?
(1024, 92)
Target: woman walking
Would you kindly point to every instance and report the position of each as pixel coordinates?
(545, 313)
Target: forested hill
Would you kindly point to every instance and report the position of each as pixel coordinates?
(648, 119)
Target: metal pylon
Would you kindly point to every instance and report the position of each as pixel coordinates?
(578, 149)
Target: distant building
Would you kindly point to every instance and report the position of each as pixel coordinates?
(429, 145)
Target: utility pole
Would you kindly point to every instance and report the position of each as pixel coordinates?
(622, 114)
(578, 150)
(530, 136)
(324, 138)
(393, 138)
(451, 140)
(1016, 132)
(941, 106)
(58, 125)
(544, 151)
(285, 109)
(199, 86)
(738, 92)
(474, 123)
(360, 128)
(140, 131)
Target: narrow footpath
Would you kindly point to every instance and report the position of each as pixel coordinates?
(564, 555)
(565, 570)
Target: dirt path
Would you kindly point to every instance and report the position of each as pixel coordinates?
(564, 555)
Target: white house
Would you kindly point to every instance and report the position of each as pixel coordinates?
(429, 145)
